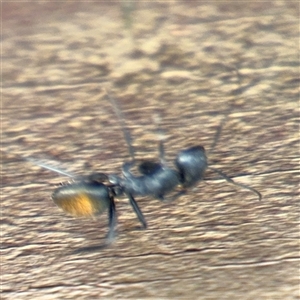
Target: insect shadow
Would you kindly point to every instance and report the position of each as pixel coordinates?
(88, 196)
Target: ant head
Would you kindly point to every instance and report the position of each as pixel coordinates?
(191, 163)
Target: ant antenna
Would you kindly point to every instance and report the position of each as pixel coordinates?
(228, 179)
(223, 175)
(126, 133)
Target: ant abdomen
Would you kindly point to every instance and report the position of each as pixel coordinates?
(191, 163)
(82, 199)
(87, 199)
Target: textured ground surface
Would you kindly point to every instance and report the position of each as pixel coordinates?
(191, 64)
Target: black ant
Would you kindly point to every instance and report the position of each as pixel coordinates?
(157, 179)
(89, 196)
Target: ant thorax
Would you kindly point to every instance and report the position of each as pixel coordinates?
(156, 179)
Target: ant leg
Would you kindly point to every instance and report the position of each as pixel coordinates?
(111, 220)
(126, 133)
(47, 167)
(228, 179)
(137, 210)
(173, 198)
(161, 151)
(217, 134)
(161, 137)
(126, 168)
(227, 112)
(179, 194)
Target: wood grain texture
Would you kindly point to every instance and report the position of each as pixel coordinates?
(191, 64)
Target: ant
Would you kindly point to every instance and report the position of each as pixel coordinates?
(88, 196)
(156, 178)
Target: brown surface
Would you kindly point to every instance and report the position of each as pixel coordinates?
(190, 63)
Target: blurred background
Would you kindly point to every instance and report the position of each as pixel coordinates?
(187, 64)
